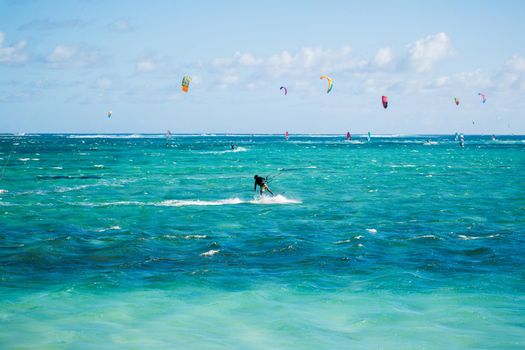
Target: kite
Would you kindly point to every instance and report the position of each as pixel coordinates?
(330, 82)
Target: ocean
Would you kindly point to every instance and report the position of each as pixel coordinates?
(138, 242)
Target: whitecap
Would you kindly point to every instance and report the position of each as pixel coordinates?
(195, 237)
(74, 188)
(182, 203)
(113, 136)
(468, 238)
(343, 241)
(3, 191)
(238, 149)
(279, 199)
(403, 166)
(210, 252)
(423, 236)
(98, 166)
(371, 230)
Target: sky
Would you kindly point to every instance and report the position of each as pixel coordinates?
(65, 64)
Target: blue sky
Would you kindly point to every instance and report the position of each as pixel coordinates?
(64, 64)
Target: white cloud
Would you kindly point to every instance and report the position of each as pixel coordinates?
(103, 83)
(69, 56)
(248, 59)
(121, 26)
(228, 78)
(145, 65)
(474, 80)
(48, 24)
(441, 81)
(14, 53)
(512, 75)
(383, 57)
(425, 52)
(62, 54)
(515, 63)
(308, 59)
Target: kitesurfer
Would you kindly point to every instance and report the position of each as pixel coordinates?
(262, 183)
(233, 146)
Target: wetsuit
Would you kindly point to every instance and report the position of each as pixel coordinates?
(261, 182)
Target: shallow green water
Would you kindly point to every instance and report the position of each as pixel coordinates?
(118, 241)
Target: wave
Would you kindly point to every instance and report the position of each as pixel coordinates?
(403, 166)
(424, 237)
(279, 199)
(195, 237)
(468, 238)
(115, 227)
(183, 203)
(238, 149)
(210, 252)
(299, 168)
(113, 136)
(57, 177)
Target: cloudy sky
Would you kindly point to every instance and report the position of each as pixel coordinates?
(65, 64)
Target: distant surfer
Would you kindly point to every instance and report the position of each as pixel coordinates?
(461, 140)
(262, 183)
(233, 146)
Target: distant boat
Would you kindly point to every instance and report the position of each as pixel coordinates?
(286, 136)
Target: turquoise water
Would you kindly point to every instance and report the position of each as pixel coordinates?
(117, 241)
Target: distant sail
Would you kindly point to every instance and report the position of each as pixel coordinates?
(286, 135)
(369, 136)
(348, 136)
